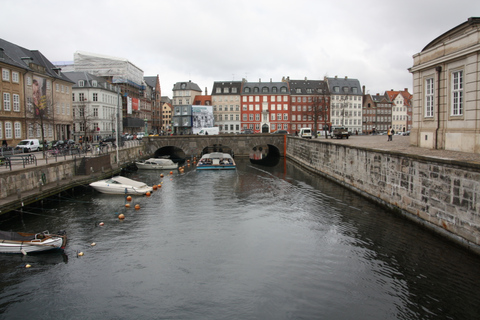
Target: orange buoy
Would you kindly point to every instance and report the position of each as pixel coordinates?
(121, 216)
(127, 205)
(154, 187)
(137, 206)
(171, 172)
(161, 175)
(147, 194)
(129, 198)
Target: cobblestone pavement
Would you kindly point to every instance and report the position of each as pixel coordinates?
(402, 144)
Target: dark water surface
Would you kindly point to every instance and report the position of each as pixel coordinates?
(258, 243)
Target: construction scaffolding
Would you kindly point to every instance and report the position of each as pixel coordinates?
(117, 70)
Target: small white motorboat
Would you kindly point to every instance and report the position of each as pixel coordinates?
(120, 185)
(216, 161)
(22, 242)
(157, 164)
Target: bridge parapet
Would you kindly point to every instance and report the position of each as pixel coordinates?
(242, 144)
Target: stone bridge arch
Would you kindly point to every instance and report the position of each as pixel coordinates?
(192, 145)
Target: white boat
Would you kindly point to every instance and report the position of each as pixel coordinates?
(216, 161)
(157, 163)
(22, 242)
(120, 185)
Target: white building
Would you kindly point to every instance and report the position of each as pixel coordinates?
(95, 106)
(446, 91)
(346, 103)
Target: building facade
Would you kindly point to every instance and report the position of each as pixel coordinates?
(183, 96)
(35, 97)
(346, 103)
(226, 105)
(167, 110)
(401, 110)
(376, 113)
(446, 91)
(309, 105)
(96, 107)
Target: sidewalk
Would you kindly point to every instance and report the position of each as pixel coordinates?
(402, 144)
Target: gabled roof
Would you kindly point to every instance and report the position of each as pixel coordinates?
(270, 87)
(186, 86)
(407, 97)
(151, 81)
(380, 98)
(20, 57)
(202, 100)
(308, 87)
(226, 84)
(344, 85)
(76, 76)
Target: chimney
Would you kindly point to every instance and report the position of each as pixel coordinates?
(206, 91)
(346, 77)
(259, 79)
(363, 90)
(2, 53)
(406, 89)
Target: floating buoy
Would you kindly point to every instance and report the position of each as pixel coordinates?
(28, 266)
(161, 175)
(129, 198)
(171, 172)
(137, 206)
(93, 244)
(159, 186)
(80, 254)
(154, 187)
(148, 194)
(101, 224)
(121, 216)
(127, 205)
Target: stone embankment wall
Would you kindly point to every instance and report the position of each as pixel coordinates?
(442, 195)
(22, 180)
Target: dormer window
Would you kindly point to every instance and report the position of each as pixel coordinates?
(247, 90)
(256, 90)
(81, 83)
(274, 89)
(336, 89)
(94, 83)
(265, 90)
(283, 89)
(299, 90)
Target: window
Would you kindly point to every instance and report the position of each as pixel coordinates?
(225, 90)
(429, 97)
(81, 96)
(8, 130)
(5, 76)
(94, 83)
(16, 103)
(457, 93)
(15, 77)
(95, 97)
(18, 130)
(218, 90)
(81, 83)
(6, 102)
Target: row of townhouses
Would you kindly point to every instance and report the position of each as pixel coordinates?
(96, 95)
(290, 105)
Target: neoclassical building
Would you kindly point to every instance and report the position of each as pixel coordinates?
(446, 91)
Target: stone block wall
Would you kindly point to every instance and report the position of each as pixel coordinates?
(440, 194)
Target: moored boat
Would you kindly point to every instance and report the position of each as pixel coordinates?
(216, 161)
(157, 164)
(23, 242)
(121, 185)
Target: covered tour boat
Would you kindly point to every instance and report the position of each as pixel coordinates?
(216, 161)
(157, 164)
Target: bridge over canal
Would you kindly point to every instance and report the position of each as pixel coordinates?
(243, 145)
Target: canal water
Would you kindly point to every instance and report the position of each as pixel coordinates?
(255, 243)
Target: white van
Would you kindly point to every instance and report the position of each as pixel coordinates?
(305, 133)
(28, 145)
(209, 131)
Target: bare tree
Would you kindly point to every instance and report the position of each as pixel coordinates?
(84, 117)
(320, 107)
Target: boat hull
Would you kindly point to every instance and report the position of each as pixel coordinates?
(121, 185)
(216, 161)
(49, 242)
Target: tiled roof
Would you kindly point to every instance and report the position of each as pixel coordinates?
(20, 57)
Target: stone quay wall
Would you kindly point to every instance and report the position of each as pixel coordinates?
(442, 195)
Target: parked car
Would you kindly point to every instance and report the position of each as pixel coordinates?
(57, 144)
(281, 132)
(247, 131)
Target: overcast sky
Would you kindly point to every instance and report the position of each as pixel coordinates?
(216, 40)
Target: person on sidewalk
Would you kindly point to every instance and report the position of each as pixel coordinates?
(389, 134)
